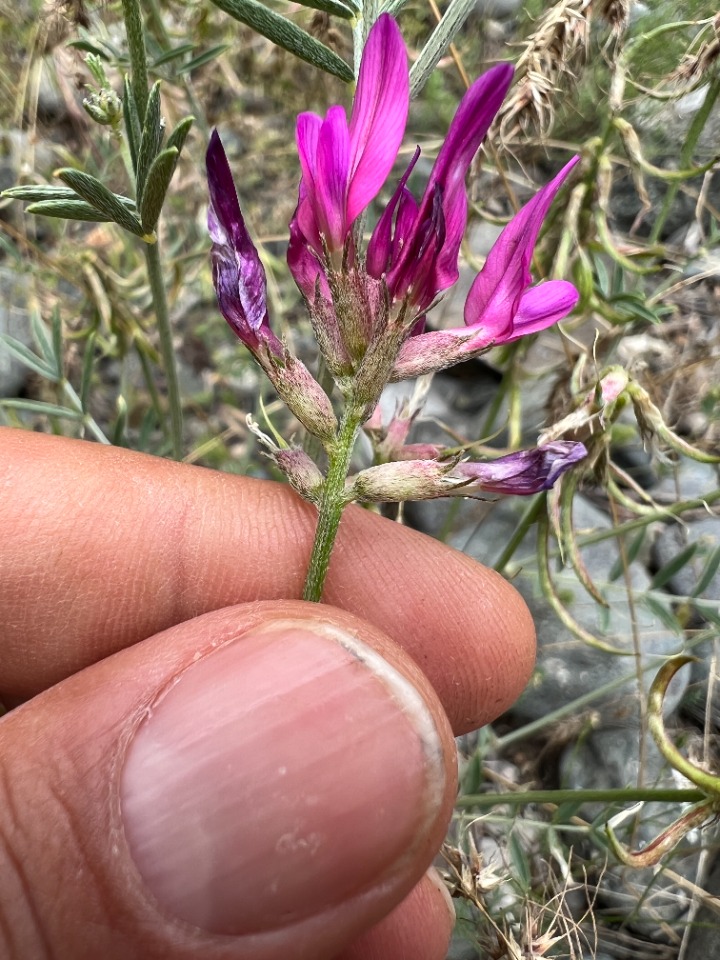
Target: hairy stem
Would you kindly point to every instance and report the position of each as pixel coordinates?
(162, 317)
(331, 504)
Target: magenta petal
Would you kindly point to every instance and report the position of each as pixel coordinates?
(470, 124)
(506, 272)
(523, 473)
(332, 178)
(304, 265)
(379, 113)
(544, 305)
(382, 248)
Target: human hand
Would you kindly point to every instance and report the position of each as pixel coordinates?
(201, 766)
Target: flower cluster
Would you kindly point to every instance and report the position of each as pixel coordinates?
(368, 306)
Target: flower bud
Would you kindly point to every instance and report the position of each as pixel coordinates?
(104, 107)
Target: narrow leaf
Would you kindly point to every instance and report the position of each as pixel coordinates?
(286, 35)
(158, 181)
(87, 47)
(708, 575)
(674, 566)
(666, 617)
(68, 210)
(150, 141)
(202, 59)
(39, 406)
(332, 7)
(57, 342)
(87, 370)
(39, 193)
(173, 54)
(132, 122)
(442, 36)
(631, 553)
(178, 136)
(25, 355)
(42, 340)
(98, 195)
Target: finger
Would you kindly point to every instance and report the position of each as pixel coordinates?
(104, 547)
(419, 928)
(255, 784)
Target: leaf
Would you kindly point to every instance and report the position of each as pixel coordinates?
(631, 553)
(150, 140)
(39, 406)
(57, 341)
(673, 566)
(707, 576)
(25, 355)
(202, 59)
(98, 195)
(442, 36)
(158, 181)
(68, 210)
(179, 134)
(87, 369)
(43, 342)
(663, 614)
(87, 47)
(332, 7)
(132, 122)
(169, 55)
(45, 191)
(287, 35)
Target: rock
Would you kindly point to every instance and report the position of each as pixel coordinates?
(704, 935)
(610, 759)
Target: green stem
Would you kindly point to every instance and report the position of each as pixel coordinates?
(532, 512)
(331, 504)
(622, 795)
(162, 317)
(139, 81)
(686, 154)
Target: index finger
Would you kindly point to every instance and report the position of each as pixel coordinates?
(105, 547)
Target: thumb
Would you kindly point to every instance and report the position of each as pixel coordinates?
(264, 781)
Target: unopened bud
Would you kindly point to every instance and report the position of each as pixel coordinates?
(302, 394)
(104, 107)
(406, 480)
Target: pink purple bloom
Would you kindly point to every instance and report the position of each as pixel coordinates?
(501, 306)
(416, 246)
(344, 166)
(238, 274)
(523, 473)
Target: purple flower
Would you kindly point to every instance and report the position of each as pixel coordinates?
(344, 167)
(501, 306)
(416, 246)
(238, 274)
(521, 473)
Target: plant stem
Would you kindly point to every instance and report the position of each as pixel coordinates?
(686, 154)
(139, 81)
(621, 795)
(162, 317)
(331, 504)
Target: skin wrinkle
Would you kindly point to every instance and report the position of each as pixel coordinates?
(13, 865)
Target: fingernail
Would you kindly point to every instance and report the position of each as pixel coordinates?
(278, 776)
